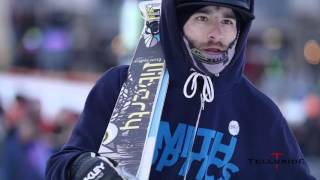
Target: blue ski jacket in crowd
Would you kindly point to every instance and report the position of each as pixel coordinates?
(241, 134)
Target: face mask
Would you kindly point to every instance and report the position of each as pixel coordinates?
(210, 64)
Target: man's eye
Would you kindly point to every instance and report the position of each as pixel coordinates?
(202, 18)
(227, 21)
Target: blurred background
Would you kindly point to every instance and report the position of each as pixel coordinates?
(53, 51)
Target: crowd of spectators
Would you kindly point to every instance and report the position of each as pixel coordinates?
(27, 138)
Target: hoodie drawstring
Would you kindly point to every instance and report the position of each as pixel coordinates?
(207, 95)
(207, 90)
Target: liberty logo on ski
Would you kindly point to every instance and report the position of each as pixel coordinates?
(135, 99)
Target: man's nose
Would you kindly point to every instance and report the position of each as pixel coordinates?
(215, 32)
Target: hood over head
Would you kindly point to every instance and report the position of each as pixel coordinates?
(176, 51)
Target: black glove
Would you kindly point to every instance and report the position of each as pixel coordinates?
(89, 166)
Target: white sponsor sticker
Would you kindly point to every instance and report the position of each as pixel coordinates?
(234, 128)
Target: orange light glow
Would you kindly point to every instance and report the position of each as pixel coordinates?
(312, 52)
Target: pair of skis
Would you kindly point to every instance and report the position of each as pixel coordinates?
(132, 130)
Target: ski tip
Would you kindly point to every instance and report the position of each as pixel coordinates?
(150, 10)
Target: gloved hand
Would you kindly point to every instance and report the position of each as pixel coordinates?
(89, 166)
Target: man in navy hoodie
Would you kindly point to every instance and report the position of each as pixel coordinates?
(215, 124)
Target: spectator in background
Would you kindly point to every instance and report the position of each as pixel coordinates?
(1, 123)
(1, 109)
(308, 134)
(64, 122)
(15, 113)
(2, 133)
(11, 154)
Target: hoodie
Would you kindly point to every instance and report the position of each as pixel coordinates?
(241, 134)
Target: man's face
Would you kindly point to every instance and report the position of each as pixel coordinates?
(211, 29)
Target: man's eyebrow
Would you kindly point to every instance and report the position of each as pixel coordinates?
(230, 15)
